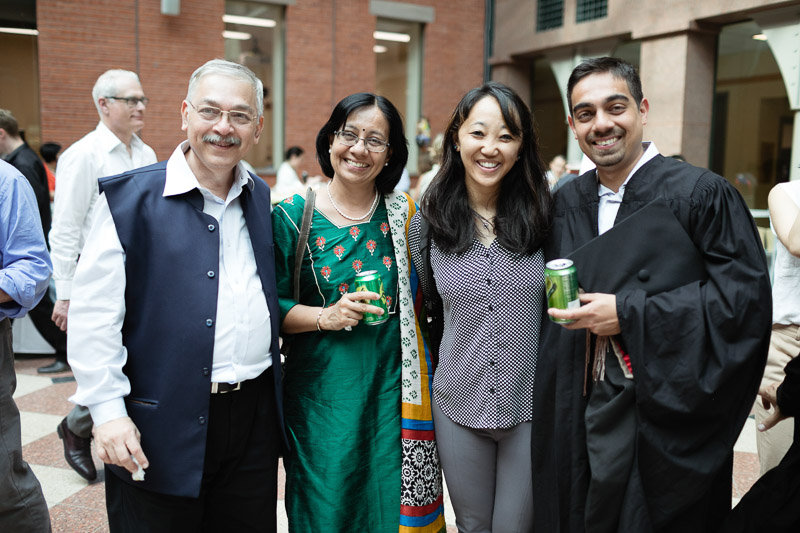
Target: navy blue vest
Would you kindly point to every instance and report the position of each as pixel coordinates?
(171, 264)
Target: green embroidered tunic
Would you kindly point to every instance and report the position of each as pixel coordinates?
(342, 388)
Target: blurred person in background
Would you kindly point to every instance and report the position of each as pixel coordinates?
(556, 170)
(49, 152)
(112, 148)
(784, 344)
(435, 151)
(16, 152)
(288, 180)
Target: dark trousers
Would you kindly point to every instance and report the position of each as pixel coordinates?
(615, 500)
(240, 475)
(22, 505)
(42, 318)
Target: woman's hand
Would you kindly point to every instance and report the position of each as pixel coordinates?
(348, 311)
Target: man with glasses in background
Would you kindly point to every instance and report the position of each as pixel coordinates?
(113, 147)
(174, 325)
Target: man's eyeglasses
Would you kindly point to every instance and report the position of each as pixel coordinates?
(372, 144)
(132, 101)
(214, 114)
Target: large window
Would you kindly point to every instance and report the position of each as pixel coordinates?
(591, 9)
(752, 149)
(549, 14)
(398, 74)
(19, 70)
(254, 37)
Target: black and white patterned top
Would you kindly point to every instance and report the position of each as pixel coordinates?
(492, 312)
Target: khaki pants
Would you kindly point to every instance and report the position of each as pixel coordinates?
(784, 345)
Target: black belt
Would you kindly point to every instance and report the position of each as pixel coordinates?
(222, 388)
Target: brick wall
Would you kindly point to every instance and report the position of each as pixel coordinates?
(453, 62)
(309, 74)
(79, 40)
(327, 58)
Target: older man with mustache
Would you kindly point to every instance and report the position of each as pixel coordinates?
(174, 325)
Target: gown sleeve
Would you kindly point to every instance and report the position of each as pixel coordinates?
(698, 351)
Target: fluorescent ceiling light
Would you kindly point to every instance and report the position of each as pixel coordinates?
(19, 31)
(760, 37)
(392, 36)
(379, 49)
(238, 35)
(248, 21)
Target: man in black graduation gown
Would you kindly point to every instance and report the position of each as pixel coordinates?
(638, 402)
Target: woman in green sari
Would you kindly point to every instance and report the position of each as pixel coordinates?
(357, 396)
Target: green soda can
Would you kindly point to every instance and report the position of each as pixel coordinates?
(370, 280)
(561, 279)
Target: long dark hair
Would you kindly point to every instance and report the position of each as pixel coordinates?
(524, 201)
(398, 146)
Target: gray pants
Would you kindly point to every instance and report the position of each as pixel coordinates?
(22, 505)
(79, 421)
(488, 475)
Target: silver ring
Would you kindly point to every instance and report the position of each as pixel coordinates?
(348, 328)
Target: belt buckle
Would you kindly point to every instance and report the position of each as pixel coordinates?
(221, 388)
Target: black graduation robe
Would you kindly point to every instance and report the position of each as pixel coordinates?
(697, 353)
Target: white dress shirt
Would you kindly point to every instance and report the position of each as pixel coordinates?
(242, 337)
(287, 183)
(287, 178)
(610, 200)
(99, 153)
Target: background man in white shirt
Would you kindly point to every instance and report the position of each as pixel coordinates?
(174, 325)
(113, 147)
(288, 180)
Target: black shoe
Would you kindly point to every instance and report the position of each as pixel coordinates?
(77, 452)
(54, 368)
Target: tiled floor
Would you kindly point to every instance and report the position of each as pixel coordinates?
(76, 506)
(79, 507)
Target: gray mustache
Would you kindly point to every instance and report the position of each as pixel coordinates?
(214, 138)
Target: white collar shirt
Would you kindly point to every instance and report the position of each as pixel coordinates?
(99, 153)
(242, 337)
(610, 200)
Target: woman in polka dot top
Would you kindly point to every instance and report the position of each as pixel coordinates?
(488, 210)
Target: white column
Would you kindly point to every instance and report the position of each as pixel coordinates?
(562, 65)
(794, 171)
(783, 36)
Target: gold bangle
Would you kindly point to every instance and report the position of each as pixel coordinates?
(319, 315)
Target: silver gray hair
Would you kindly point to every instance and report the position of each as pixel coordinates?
(108, 84)
(231, 69)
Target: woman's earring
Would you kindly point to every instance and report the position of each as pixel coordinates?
(329, 149)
